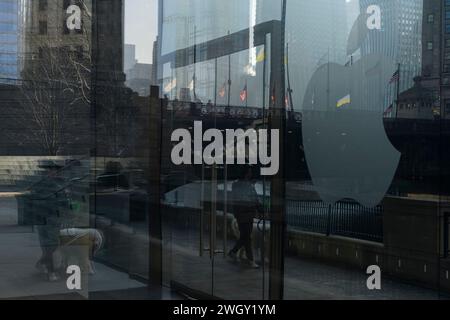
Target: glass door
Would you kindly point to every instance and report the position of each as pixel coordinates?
(187, 223)
(218, 83)
(245, 275)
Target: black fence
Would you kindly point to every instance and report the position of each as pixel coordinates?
(447, 235)
(345, 218)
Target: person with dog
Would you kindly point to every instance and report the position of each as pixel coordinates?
(245, 208)
(48, 198)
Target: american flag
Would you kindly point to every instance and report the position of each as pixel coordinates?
(395, 77)
(222, 90)
(243, 94)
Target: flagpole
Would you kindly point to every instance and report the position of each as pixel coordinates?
(171, 83)
(195, 61)
(264, 85)
(229, 79)
(246, 94)
(398, 92)
(215, 85)
(291, 104)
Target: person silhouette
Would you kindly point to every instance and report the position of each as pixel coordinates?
(48, 197)
(245, 207)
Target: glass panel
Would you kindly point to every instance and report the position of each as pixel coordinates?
(364, 157)
(75, 148)
(253, 149)
(45, 154)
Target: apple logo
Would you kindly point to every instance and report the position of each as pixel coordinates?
(347, 150)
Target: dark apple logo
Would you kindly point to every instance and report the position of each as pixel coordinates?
(346, 147)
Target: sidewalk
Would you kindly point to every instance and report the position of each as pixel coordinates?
(304, 279)
(19, 252)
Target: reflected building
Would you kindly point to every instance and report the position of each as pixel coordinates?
(50, 113)
(9, 40)
(139, 75)
(129, 57)
(399, 37)
(429, 98)
(108, 41)
(317, 33)
(112, 113)
(46, 35)
(139, 78)
(436, 55)
(189, 25)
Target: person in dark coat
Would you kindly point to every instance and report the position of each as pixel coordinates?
(245, 208)
(48, 200)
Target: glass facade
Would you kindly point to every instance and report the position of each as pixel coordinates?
(251, 149)
(9, 40)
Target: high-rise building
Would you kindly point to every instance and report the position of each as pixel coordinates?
(138, 75)
(139, 78)
(400, 37)
(436, 54)
(108, 41)
(187, 25)
(129, 57)
(47, 36)
(9, 40)
(56, 74)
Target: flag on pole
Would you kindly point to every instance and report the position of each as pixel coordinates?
(344, 101)
(261, 56)
(243, 94)
(395, 77)
(222, 90)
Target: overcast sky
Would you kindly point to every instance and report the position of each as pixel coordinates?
(141, 20)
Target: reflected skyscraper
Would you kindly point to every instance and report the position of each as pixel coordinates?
(317, 32)
(400, 37)
(9, 40)
(187, 25)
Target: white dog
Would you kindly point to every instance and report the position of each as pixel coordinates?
(260, 239)
(78, 246)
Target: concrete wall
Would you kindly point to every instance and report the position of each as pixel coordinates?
(411, 251)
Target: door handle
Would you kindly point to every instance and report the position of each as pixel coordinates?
(213, 216)
(202, 212)
(225, 212)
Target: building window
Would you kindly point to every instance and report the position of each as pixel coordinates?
(430, 45)
(43, 5)
(446, 68)
(42, 27)
(431, 18)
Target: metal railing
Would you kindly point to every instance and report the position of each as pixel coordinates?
(447, 235)
(345, 218)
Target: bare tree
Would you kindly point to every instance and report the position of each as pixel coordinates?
(56, 80)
